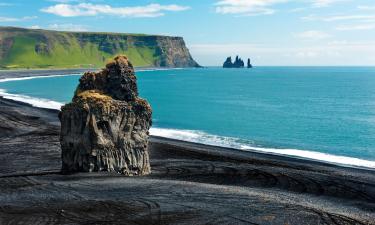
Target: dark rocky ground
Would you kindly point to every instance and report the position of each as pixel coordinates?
(190, 184)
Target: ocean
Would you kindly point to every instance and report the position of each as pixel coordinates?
(321, 113)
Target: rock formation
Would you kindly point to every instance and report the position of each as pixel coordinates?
(249, 63)
(106, 126)
(238, 63)
(228, 63)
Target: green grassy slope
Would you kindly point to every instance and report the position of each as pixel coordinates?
(24, 48)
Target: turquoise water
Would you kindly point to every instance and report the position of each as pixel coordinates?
(329, 110)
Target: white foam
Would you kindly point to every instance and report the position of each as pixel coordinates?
(208, 139)
(198, 136)
(344, 160)
(36, 77)
(36, 102)
(157, 69)
(78, 74)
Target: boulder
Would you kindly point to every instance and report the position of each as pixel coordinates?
(106, 126)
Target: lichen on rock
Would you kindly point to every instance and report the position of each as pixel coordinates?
(106, 126)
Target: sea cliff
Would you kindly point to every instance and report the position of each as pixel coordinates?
(31, 48)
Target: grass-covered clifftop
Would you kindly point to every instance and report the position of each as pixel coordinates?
(29, 48)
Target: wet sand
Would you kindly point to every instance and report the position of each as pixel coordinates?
(190, 184)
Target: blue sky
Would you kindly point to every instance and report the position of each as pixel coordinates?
(271, 32)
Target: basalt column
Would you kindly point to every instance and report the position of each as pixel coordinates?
(106, 126)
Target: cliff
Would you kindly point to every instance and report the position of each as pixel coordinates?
(29, 48)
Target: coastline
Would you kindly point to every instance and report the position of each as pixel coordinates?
(12, 74)
(224, 151)
(184, 135)
(83, 69)
(190, 183)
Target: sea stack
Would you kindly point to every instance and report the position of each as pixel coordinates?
(238, 63)
(249, 63)
(106, 126)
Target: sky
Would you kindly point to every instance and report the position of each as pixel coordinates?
(270, 32)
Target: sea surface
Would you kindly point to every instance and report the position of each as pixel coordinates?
(322, 113)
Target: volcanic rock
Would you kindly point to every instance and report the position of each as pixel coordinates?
(106, 126)
(249, 63)
(228, 63)
(238, 63)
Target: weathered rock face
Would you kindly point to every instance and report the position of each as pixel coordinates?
(146, 50)
(106, 126)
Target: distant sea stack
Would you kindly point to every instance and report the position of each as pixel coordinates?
(34, 48)
(106, 126)
(249, 63)
(238, 63)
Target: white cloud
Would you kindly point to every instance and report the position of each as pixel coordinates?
(15, 19)
(64, 1)
(34, 27)
(307, 54)
(88, 9)
(300, 9)
(357, 21)
(350, 17)
(354, 22)
(62, 27)
(264, 7)
(247, 7)
(312, 35)
(338, 17)
(369, 26)
(366, 7)
(325, 3)
(9, 19)
(5, 4)
(68, 27)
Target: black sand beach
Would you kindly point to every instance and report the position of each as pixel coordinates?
(189, 184)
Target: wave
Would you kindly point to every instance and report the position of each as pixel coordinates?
(36, 102)
(78, 74)
(37, 77)
(236, 143)
(209, 139)
(199, 136)
(156, 69)
(46, 103)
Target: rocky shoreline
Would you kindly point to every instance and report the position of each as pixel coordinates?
(190, 183)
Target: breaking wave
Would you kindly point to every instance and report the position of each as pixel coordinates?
(199, 136)
(36, 102)
(236, 143)
(36, 77)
